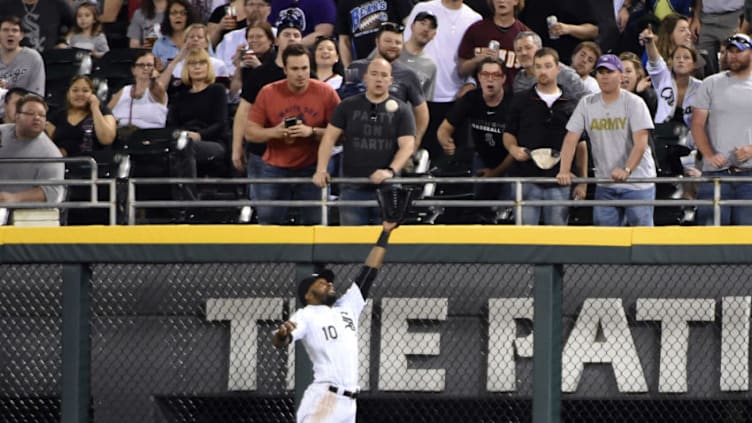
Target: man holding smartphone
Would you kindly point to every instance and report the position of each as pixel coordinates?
(290, 116)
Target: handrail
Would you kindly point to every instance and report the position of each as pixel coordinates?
(517, 203)
(132, 203)
(93, 168)
(93, 182)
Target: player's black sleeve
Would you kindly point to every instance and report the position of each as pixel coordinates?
(365, 279)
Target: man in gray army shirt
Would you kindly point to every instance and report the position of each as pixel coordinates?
(617, 123)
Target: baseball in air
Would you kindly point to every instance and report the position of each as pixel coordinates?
(391, 106)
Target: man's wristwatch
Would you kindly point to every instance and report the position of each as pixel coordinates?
(389, 168)
(313, 131)
(628, 169)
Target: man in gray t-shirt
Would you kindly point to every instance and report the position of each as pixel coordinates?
(423, 31)
(722, 131)
(26, 140)
(20, 67)
(617, 123)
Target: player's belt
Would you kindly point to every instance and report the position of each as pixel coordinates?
(343, 392)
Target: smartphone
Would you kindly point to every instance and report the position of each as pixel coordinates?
(291, 121)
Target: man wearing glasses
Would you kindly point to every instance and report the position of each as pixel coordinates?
(405, 83)
(26, 140)
(484, 110)
(722, 131)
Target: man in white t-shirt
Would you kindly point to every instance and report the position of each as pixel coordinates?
(327, 326)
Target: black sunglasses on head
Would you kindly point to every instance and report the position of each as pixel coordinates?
(739, 39)
(391, 27)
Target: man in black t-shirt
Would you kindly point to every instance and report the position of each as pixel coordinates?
(358, 22)
(379, 138)
(44, 22)
(484, 110)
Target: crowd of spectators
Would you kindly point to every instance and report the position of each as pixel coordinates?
(528, 88)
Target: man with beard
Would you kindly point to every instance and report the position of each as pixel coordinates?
(358, 22)
(723, 133)
(485, 110)
(327, 326)
(405, 83)
(26, 140)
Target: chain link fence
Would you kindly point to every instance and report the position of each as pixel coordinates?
(438, 343)
(656, 343)
(30, 343)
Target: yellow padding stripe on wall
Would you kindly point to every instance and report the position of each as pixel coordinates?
(164, 234)
(423, 234)
(483, 235)
(694, 235)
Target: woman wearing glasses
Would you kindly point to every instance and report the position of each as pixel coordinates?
(200, 108)
(85, 127)
(144, 103)
(179, 16)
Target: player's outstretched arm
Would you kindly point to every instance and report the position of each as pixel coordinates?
(375, 259)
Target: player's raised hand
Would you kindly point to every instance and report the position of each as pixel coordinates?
(282, 336)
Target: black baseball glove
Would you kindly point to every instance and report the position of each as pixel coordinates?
(395, 202)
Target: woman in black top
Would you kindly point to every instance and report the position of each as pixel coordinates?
(85, 126)
(201, 109)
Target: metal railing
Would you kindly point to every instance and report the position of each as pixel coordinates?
(131, 203)
(325, 203)
(93, 182)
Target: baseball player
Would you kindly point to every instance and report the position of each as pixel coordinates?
(328, 327)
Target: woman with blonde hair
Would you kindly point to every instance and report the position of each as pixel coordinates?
(200, 108)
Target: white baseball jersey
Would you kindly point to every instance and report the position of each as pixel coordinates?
(330, 336)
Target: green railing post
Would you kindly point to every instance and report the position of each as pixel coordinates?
(547, 344)
(76, 344)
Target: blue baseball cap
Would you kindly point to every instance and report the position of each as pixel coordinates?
(740, 41)
(609, 61)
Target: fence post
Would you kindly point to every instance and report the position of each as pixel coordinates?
(547, 344)
(76, 344)
(303, 365)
